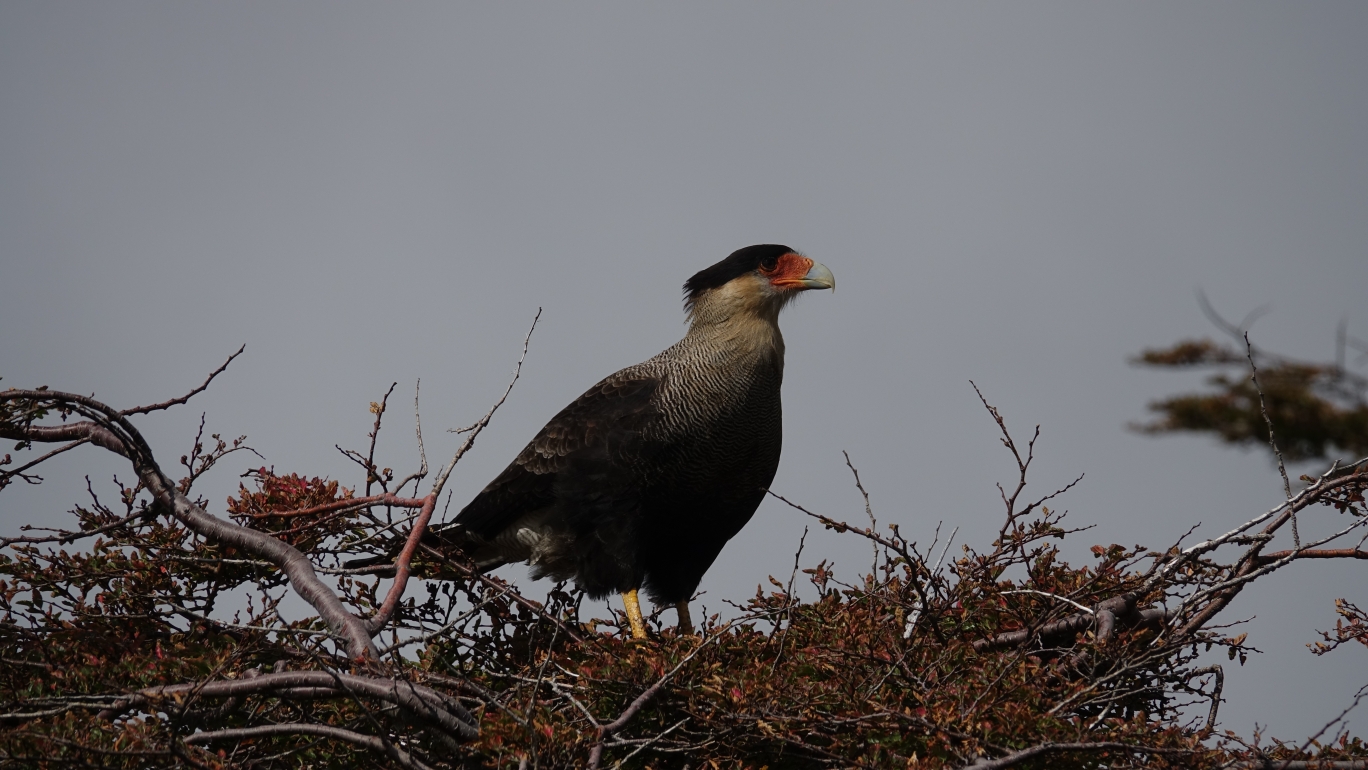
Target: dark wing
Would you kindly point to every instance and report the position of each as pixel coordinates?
(599, 434)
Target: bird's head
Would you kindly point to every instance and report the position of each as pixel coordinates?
(758, 280)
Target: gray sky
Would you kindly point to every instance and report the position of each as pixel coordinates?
(1018, 194)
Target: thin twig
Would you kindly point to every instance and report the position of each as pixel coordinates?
(479, 426)
(374, 743)
(608, 730)
(187, 396)
(379, 409)
(869, 510)
(1272, 438)
(9, 474)
(1016, 758)
(1358, 697)
(1053, 596)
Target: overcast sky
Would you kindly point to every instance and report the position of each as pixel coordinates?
(1019, 194)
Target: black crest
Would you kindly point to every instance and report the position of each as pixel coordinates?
(740, 262)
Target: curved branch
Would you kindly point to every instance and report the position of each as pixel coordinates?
(286, 557)
(424, 702)
(371, 742)
(402, 567)
(187, 396)
(1219, 674)
(1071, 625)
(76, 432)
(1016, 758)
(110, 429)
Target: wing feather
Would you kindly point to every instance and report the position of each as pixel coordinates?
(601, 433)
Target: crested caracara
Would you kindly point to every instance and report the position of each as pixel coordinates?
(639, 482)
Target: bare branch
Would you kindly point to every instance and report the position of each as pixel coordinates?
(1219, 675)
(1072, 624)
(1358, 698)
(178, 401)
(1325, 553)
(6, 475)
(634, 708)
(110, 429)
(379, 410)
(479, 426)
(1016, 758)
(443, 711)
(869, 511)
(379, 745)
(346, 503)
(841, 526)
(401, 566)
(422, 471)
(1336, 477)
(76, 432)
(1056, 597)
(1272, 439)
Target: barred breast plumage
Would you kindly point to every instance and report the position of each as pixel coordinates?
(641, 481)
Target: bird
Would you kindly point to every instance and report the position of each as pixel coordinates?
(639, 483)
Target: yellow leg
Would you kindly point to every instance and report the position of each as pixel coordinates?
(685, 622)
(634, 614)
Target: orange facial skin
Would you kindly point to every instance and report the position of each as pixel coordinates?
(788, 272)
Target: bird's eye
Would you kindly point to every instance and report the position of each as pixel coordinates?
(768, 264)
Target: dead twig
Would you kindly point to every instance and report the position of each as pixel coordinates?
(181, 400)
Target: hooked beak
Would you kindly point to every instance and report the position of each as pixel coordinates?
(818, 277)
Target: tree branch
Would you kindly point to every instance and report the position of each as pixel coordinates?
(187, 396)
(402, 566)
(371, 742)
(634, 708)
(1072, 624)
(474, 430)
(1014, 759)
(440, 710)
(1323, 553)
(110, 429)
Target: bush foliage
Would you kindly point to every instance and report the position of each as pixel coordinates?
(147, 634)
